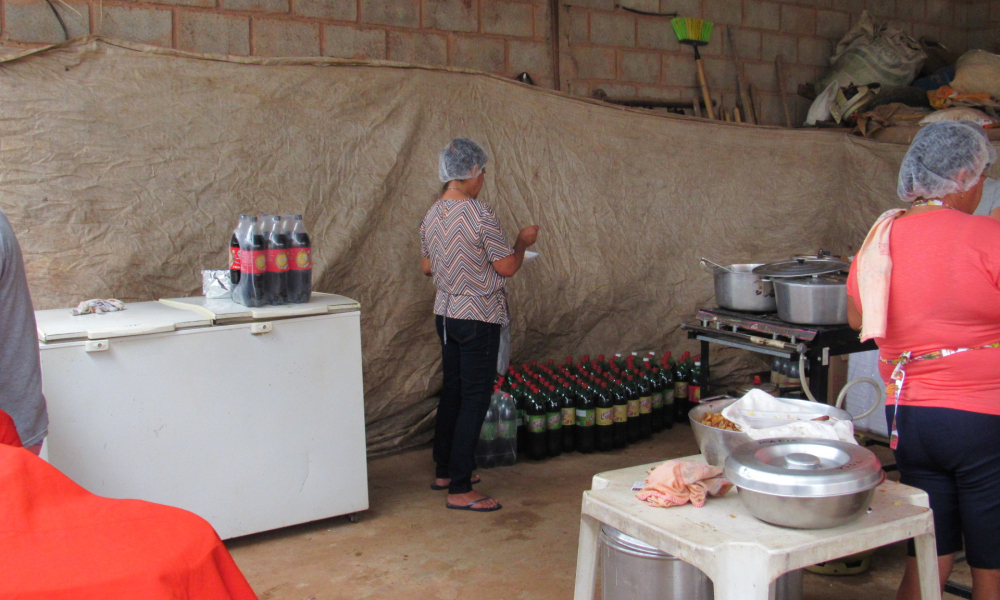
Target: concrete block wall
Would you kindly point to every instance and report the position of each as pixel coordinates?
(601, 45)
(498, 36)
(630, 55)
(983, 18)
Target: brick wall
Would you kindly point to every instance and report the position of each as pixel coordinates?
(601, 47)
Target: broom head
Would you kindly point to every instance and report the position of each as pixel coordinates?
(689, 30)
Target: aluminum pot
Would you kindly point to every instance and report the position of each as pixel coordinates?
(634, 570)
(804, 483)
(815, 300)
(739, 289)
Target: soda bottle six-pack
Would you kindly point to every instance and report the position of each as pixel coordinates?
(270, 261)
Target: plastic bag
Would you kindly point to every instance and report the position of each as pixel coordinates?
(497, 445)
(977, 72)
(503, 359)
(216, 284)
(873, 52)
(820, 109)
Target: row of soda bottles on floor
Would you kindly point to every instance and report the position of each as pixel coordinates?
(543, 410)
(270, 260)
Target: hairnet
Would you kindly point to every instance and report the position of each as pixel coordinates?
(461, 159)
(945, 158)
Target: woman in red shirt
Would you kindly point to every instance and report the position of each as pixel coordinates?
(926, 286)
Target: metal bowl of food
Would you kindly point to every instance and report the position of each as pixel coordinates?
(715, 443)
(804, 483)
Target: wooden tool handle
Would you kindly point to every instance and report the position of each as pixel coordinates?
(706, 94)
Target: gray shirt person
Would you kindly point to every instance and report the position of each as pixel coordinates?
(991, 197)
(20, 367)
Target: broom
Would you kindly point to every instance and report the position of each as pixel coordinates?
(696, 32)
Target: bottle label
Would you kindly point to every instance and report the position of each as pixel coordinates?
(277, 261)
(694, 394)
(568, 417)
(505, 429)
(554, 420)
(633, 408)
(300, 259)
(668, 399)
(646, 405)
(605, 416)
(536, 423)
(489, 432)
(234, 259)
(253, 262)
(520, 418)
(681, 390)
(585, 418)
(657, 401)
(620, 413)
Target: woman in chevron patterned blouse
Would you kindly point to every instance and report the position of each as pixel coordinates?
(464, 247)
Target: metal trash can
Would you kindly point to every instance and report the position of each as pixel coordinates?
(634, 570)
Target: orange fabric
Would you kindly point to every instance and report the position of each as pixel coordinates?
(61, 542)
(677, 482)
(8, 432)
(944, 294)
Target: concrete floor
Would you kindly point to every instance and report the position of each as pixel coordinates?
(409, 545)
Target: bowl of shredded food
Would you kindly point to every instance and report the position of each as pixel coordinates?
(716, 435)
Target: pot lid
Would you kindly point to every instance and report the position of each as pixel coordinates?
(827, 279)
(801, 268)
(803, 467)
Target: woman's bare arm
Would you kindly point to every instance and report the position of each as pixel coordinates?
(853, 314)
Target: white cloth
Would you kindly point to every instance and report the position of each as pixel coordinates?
(874, 269)
(760, 415)
(98, 306)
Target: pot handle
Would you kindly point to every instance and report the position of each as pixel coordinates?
(879, 396)
(704, 267)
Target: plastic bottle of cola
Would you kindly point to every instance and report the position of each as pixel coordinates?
(253, 266)
(299, 280)
(275, 278)
(234, 249)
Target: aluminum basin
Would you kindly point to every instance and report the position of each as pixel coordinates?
(716, 444)
(807, 513)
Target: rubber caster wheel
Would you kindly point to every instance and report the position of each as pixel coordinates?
(354, 517)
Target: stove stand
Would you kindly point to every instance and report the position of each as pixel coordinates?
(767, 334)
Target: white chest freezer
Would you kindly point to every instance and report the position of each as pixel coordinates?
(250, 418)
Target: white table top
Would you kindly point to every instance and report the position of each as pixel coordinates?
(725, 521)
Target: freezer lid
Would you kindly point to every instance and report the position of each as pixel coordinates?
(138, 318)
(225, 311)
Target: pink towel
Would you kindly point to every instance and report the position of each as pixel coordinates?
(677, 482)
(874, 270)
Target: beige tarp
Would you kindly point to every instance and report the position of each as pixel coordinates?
(123, 169)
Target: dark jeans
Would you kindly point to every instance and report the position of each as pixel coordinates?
(470, 366)
(954, 457)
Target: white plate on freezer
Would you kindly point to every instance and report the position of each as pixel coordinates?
(138, 318)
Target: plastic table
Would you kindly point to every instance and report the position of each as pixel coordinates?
(741, 554)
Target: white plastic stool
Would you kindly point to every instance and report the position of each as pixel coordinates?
(741, 554)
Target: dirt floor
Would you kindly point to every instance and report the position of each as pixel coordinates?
(409, 545)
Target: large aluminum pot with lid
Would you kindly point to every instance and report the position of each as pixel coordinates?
(809, 292)
(804, 483)
(738, 288)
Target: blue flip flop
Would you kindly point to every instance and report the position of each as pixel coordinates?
(471, 504)
(438, 488)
